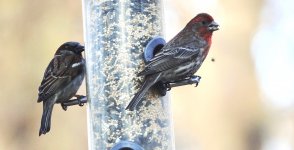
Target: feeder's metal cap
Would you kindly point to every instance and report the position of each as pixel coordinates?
(126, 145)
(151, 47)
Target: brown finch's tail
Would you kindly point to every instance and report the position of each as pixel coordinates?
(46, 118)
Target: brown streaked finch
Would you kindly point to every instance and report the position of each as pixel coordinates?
(61, 80)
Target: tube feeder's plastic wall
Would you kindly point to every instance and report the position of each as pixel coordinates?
(116, 32)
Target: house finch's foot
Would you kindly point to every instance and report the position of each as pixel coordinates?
(167, 86)
(191, 80)
(160, 88)
(195, 79)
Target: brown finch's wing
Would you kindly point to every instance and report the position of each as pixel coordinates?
(56, 76)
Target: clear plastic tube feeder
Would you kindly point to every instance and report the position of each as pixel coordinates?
(116, 33)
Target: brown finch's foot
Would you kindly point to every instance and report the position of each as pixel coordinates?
(63, 107)
(81, 100)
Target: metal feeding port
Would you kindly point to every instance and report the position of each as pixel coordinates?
(127, 145)
(153, 47)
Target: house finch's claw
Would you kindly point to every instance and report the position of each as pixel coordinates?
(195, 79)
(196, 84)
(168, 87)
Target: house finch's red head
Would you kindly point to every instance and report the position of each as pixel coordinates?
(203, 23)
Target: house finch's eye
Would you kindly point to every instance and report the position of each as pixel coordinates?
(204, 22)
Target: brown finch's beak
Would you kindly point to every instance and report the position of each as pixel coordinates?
(80, 48)
(213, 26)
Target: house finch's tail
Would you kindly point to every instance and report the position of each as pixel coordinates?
(149, 81)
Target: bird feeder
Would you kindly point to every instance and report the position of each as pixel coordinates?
(116, 33)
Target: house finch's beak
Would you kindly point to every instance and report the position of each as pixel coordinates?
(213, 26)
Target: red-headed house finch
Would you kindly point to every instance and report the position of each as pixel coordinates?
(61, 81)
(180, 58)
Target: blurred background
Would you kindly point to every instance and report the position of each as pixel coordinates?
(244, 101)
